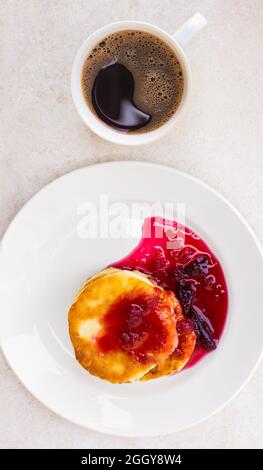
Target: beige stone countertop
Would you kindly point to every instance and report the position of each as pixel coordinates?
(219, 140)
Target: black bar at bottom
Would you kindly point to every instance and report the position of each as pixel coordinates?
(114, 458)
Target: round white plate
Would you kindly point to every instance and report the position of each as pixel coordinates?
(44, 261)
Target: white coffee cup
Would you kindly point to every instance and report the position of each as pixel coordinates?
(176, 42)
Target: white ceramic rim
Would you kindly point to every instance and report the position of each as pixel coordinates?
(90, 118)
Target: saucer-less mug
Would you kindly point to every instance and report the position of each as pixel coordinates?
(176, 41)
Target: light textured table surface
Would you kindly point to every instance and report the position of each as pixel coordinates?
(219, 140)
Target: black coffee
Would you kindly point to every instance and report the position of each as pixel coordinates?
(133, 81)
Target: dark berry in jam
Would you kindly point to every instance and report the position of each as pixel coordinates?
(203, 328)
(186, 292)
(199, 266)
(185, 325)
(191, 271)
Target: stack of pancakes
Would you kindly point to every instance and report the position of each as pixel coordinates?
(119, 364)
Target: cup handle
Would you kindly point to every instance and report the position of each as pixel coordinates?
(189, 29)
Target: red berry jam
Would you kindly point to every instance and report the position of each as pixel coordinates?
(133, 325)
(180, 261)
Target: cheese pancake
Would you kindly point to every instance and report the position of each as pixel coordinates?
(122, 325)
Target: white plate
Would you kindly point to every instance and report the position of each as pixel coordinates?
(43, 262)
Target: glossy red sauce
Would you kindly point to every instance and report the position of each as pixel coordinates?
(165, 246)
(132, 325)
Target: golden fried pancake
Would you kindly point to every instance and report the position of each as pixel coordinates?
(182, 353)
(122, 325)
